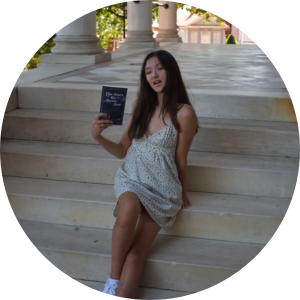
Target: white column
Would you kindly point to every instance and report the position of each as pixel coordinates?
(77, 43)
(139, 30)
(167, 23)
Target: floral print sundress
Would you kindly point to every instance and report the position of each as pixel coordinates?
(150, 172)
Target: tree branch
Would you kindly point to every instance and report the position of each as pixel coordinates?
(119, 16)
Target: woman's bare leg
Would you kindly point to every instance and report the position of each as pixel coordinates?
(146, 231)
(123, 232)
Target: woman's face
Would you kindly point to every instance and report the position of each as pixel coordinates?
(156, 74)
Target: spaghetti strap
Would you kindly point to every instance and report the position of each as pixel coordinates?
(182, 107)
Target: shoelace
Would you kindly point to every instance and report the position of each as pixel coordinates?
(112, 288)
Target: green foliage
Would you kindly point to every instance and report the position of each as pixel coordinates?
(32, 64)
(181, 5)
(46, 48)
(109, 23)
(206, 15)
(154, 12)
(231, 40)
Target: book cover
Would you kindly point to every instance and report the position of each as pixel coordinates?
(113, 101)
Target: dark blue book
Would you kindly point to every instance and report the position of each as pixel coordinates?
(113, 101)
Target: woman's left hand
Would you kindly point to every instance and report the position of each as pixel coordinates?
(185, 201)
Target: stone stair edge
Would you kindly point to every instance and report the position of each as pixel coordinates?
(142, 293)
(276, 107)
(195, 197)
(293, 156)
(185, 260)
(265, 138)
(57, 198)
(207, 172)
(238, 124)
(36, 75)
(93, 87)
(152, 260)
(217, 214)
(187, 210)
(85, 151)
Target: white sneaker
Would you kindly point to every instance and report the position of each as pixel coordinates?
(110, 287)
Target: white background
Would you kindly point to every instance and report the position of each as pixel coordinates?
(26, 25)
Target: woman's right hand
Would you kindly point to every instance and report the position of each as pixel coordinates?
(99, 125)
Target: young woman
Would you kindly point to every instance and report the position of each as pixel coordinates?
(150, 186)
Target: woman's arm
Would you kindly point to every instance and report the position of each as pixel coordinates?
(188, 124)
(117, 149)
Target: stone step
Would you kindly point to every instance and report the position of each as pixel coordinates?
(207, 172)
(173, 263)
(265, 106)
(212, 216)
(216, 135)
(142, 292)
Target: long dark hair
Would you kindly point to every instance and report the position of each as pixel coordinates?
(174, 94)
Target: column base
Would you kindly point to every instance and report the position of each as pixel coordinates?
(178, 40)
(140, 36)
(75, 59)
(168, 35)
(125, 45)
(77, 45)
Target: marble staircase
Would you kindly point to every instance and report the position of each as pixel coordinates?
(242, 171)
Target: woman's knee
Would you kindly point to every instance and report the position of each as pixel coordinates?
(129, 209)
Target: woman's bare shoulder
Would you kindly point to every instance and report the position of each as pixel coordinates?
(186, 117)
(186, 111)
